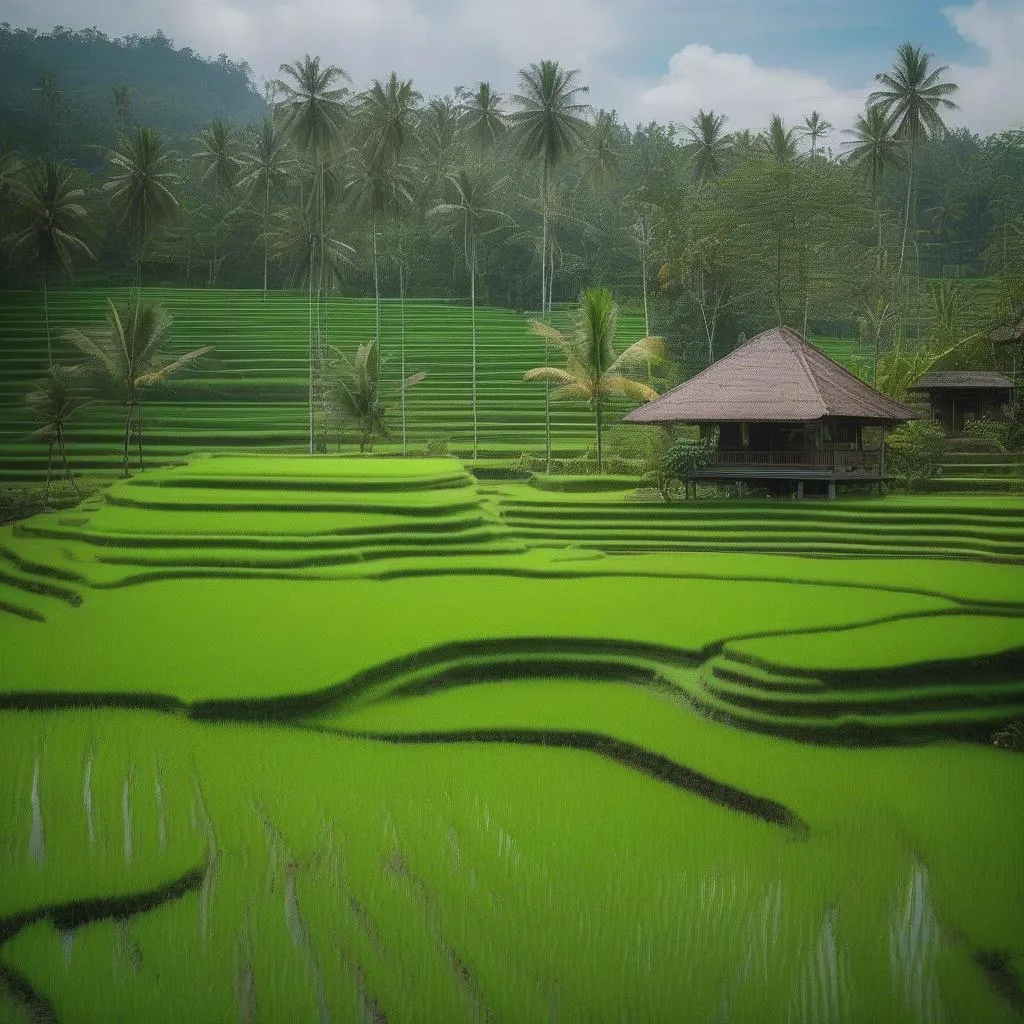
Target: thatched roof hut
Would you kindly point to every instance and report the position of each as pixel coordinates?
(776, 377)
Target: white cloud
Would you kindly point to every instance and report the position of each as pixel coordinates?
(991, 96)
(747, 92)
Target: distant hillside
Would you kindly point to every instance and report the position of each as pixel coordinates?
(57, 90)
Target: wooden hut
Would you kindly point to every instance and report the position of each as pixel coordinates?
(787, 415)
(955, 396)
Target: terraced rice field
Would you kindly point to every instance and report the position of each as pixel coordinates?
(253, 390)
(332, 739)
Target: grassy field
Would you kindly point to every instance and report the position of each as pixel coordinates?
(252, 391)
(338, 739)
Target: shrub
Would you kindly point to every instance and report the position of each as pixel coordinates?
(1010, 737)
(437, 446)
(989, 429)
(916, 450)
(23, 502)
(682, 460)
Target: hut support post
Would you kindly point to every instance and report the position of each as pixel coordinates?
(831, 490)
(799, 490)
(881, 463)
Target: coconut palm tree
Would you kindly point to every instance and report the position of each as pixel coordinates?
(603, 150)
(778, 143)
(483, 120)
(314, 107)
(912, 95)
(593, 371)
(47, 219)
(127, 356)
(707, 144)
(470, 212)
(813, 127)
(875, 147)
(219, 166)
(388, 111)
(356, 392)
(123, 104)
(265, 168)
(52, 402)
(142, 189)
(550, 125)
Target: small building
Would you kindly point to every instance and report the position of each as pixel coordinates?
(955, 396)
(787, 416)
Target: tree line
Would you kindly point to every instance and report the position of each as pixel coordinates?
(529, 198)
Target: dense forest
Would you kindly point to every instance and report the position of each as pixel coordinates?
(523, 200)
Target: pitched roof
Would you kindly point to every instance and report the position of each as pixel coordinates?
(774, 377)
(937, 379)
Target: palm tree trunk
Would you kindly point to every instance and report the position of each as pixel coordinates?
(266, 237)
(46, 315)
(906, 213)
(543, 297)
(472, 306)
(597, 417)
(401, 300)
(311, 350)
(643, 284)
(138, 435)
(67, 465)
(376, 284)
(127, 437)
(49, 463)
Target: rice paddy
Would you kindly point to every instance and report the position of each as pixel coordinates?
(337, 738)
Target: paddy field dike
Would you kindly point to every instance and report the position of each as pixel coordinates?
(336, 738)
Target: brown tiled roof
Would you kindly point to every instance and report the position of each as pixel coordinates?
(774, 377)
(937, 379)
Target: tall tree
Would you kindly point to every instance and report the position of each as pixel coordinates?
(470, 212)
(142, 189)
(778, 143)
(314, 107)
(127, 356)
(47, 221)
(813, 127)
(265, 169)
(388, 114)
(219, 165)
(707, 144)
(122, 97)
(875, 147)
(550, 126)
(913, 94)
(593, 370)
(483, 119)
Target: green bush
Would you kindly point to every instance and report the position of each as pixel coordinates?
(916, 450)
(1010, 737)
(436, 447)
(989, 429)
(681, 461)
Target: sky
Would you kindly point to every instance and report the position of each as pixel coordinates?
(647, 59)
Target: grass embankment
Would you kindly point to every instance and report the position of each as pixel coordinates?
(485, 785)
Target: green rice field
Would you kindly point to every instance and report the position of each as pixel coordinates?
(252, 391)
(341, 738)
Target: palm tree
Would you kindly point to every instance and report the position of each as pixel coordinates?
(482, 118)
(707, 144)
(142, 189)
(913, 95)
(127, 356)
(470, 212)
(355, 390)
(48, 216)
(314, 108)
(218, 166)
(875, 148)
(266, 167)
(388, 111)
(53, 401)
(779, 142)
(592, 369)
(549, 125)
(813, 128)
